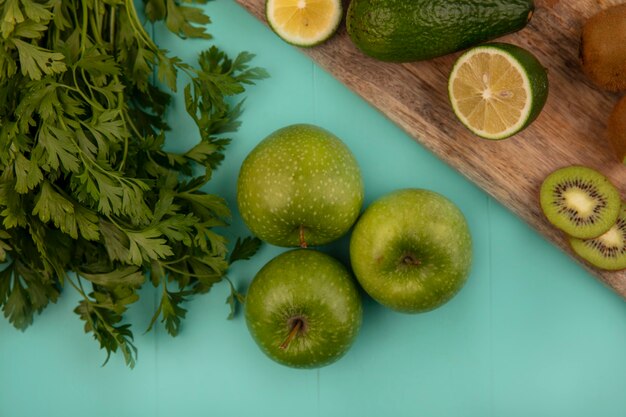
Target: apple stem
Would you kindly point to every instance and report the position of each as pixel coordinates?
(294, 331)
(303, 244)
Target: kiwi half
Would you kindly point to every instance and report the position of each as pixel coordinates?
(607, 251)
(580, 201)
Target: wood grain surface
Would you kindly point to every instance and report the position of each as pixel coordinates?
(571, 129)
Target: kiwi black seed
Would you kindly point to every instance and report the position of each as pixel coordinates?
(580, 201)
(608, 251)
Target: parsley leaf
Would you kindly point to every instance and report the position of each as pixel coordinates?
(171, 311)
(245, 248)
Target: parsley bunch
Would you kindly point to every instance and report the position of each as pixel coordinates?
(88, 196)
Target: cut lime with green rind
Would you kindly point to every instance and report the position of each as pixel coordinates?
(497, 89)
(607, 251)
(580, 201)
(304, 23)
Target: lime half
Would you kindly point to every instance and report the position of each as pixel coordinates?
(497, 89)
(304, 22)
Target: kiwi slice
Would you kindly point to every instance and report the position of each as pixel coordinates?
(580, 201)
(607, 251)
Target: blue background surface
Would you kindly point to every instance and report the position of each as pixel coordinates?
(531, 334)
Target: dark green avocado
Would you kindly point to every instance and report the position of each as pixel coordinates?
(415, 30)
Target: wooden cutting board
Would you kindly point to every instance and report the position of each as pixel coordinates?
(571, 129)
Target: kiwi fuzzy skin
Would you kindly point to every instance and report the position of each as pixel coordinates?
(603, 50)
(616, 130)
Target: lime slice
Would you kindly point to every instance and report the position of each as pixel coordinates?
(304, 22)
(497, 89)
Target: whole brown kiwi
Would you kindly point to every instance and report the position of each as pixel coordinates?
(603, 48)
(617, 129)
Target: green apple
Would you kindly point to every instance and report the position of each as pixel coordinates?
(411, 250)
(303, 309)
(300, 186)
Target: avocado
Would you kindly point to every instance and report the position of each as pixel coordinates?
(415, 30)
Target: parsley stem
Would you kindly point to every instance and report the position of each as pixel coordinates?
(175, 261)
(188, 274)
(103, 324)
(133, 18)
(125, 154)
(239, 296)
(80, 283)
(84, 28)
(87, 83)
(89, 100)
(120, 106)
(112, 15)
(79, 288)
(96, 22)
(116, 224)
(127, 121)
